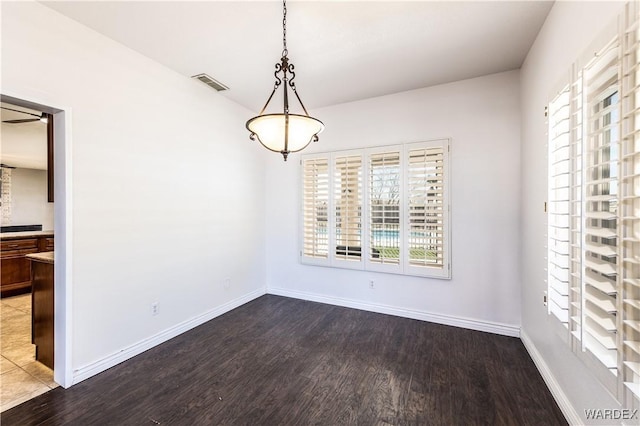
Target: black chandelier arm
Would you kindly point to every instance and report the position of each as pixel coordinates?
(292, 84)
(273, 92)
(275, 74)
(300, 101)
(290, 68)
(286, 104)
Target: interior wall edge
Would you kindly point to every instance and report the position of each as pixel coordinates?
(455, 321)
(131, 351)
(558, 393)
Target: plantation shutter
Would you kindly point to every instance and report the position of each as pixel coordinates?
(630, 203)
(600, 244)
(315, 209)
(558, 238)
(575, 207)
(603, 209)
(426, 205)
(384, 209)
(347, 194)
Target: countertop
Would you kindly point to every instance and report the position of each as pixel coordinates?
(44, 257)
(25, 234)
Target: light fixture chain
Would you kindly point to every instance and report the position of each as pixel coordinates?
(285, 52)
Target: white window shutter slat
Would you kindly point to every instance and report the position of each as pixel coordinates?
(630, 202)
(559, 206)
(601, 162)
(348, 198)
(385, 187)
(426, 207)
(315, 205)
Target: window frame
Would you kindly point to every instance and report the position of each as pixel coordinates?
(403, 267)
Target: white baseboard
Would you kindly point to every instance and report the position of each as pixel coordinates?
(567, 409)
(472, 324)
(124, 354)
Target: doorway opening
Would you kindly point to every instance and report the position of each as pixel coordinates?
(34, 238)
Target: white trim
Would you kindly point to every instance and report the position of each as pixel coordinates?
(63, 246)
(124, 354)
(468, 323)
(561, 398)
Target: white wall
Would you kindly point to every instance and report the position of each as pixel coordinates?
(29, 205)
(169, 197)
(482, 116)
(167, 190)
(568, 30)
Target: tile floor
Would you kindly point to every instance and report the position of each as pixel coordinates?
(21, 376)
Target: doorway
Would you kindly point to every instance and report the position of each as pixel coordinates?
(26, 205)
(58, 192)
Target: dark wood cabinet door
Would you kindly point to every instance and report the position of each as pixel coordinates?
(15, 277)
(42, 311)
(15, 272)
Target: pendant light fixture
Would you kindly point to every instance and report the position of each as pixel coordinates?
(284, 132)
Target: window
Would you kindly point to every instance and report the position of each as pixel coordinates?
(389, 209)
(348, 207)
(426, 207)
(600, 233)
(384, 208)
(628, 155)
(559, 206)
(593, 253)
(314, 208)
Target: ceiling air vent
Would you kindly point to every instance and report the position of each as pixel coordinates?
(219, 87)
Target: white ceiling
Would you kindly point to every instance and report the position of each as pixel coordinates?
(23, 145)
(342, 50)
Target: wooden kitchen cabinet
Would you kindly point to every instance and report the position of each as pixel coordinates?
(15, 268)
(42, 304)
(45, 244)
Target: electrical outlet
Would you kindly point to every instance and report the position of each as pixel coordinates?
(226, 283)
(372, 284)
(155, 310)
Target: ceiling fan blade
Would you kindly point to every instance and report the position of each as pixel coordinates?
(24, 120)
(21, 112)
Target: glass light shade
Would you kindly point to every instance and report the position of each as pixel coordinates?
(270, 131)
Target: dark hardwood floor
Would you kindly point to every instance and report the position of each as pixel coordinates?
(280, 361)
